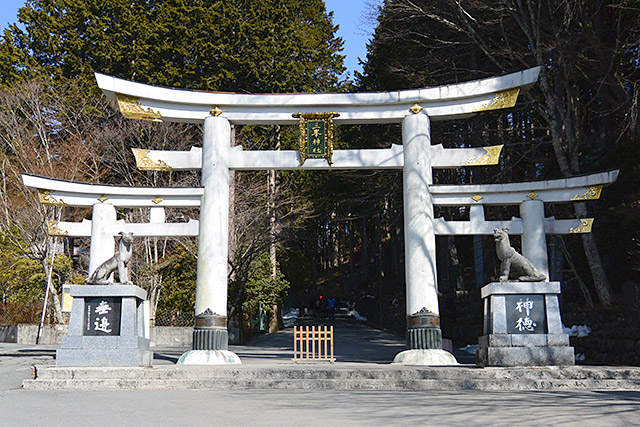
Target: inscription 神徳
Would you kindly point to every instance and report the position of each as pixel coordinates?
(525, 322)
(526, 314)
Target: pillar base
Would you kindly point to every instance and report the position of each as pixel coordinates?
(437, 357)
(210, 339)
(209, 357)
(210, 332)
(423, 331)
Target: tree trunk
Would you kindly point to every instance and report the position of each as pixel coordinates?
(581, 284)
(454, 267)
(335, 242)
(274, 190)
(363, 249)
(57, 307)
(600, 279)
(232, 217)
(352, 256)
(561, 125)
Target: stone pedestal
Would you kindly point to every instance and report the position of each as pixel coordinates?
(522, 326)
(423, 331)
(424, 342)
(106, 328)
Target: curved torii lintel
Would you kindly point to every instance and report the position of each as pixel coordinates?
(146, 102)
(572, 189)
(59, 192)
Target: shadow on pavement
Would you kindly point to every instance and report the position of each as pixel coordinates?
(29, 352)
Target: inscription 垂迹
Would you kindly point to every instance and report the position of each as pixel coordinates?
(102, 316)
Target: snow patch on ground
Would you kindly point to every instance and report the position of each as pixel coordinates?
(289, 318)
(577, 331)
(470, 348)
(358, 316)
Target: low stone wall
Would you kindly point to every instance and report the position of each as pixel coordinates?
(171, 336)
(161, 336)
(27, 333)
(8, 333)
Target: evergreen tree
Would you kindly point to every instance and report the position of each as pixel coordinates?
(230, 45)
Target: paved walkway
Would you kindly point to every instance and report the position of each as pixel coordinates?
(354, 344)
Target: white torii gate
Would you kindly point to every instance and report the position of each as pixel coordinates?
(417, 157)
(104, 199)
(530, 197)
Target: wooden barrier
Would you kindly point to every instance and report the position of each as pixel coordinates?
(311, 343)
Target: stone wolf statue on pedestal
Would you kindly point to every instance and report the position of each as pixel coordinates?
(511, 259)
(118, 261)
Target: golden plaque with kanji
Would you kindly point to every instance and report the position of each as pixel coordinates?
(316, 136)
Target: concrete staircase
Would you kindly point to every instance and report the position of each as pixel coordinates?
(337, 377)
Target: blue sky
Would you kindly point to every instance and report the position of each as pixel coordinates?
(350, 15)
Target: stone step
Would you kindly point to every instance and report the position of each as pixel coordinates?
(296, 372)
(327, 384)
(337, 378)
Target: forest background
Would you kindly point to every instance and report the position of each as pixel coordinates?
(297, 235)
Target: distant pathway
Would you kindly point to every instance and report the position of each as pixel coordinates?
(353, 342)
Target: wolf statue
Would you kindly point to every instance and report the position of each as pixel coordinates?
(510, 259)
(118, 262)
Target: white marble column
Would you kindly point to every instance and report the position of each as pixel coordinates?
(534, 238)
(102, 247)
(419, 236)
(213, 242)
(210, 336)
(424, 338)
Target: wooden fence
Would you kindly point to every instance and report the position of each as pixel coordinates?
(311, 343)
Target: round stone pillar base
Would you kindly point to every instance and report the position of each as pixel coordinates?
(433, 357)
(210, 332)
(210, 342)
(210, 339)
(423, 331)
(209, 357)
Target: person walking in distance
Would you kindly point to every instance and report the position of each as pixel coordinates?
(331, 303)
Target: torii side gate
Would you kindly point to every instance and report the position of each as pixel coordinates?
(104, 199)
(417, 157)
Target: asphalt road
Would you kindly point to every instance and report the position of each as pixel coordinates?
(317, 408)
(70, 408)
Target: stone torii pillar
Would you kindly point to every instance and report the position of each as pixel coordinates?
(534, 238)
(424, 337)
(210, 335)
(101, 249)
